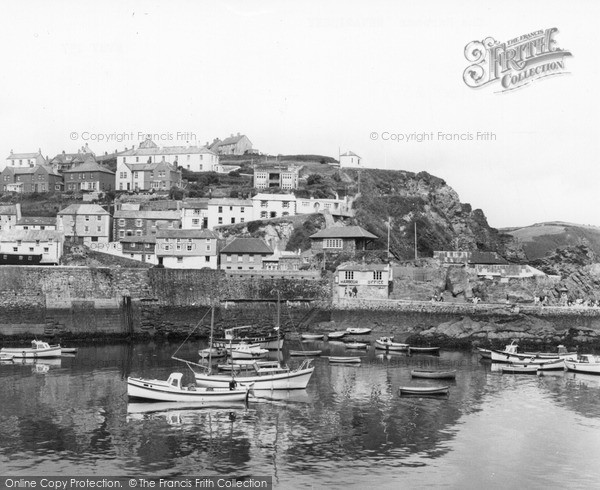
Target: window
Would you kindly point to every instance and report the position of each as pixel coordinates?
(220, 220)
(167, 247)
(178, 246)
(241, 220)
(189, 247)
(349, 275)
(87, 218)
(99, 229)
(206, 258)
(46, 250)
(285, 204)
(228, 257)
(220, 209)
(15, 249)
(19, 243)
(232, 221)
(240, 258)
(263, 204)
(37, 242)
(31, 249)
(332, 243)
(98, 218)
(138, 223)
(94, 239)
(377, 275)
(195, 222)
(121, 233)
(137, 232)
(263, 214)
(251, 258)
(208, 247)
(242, 209)
(179, 260)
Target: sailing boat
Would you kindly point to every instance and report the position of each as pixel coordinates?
(173, 390)
(269, 375)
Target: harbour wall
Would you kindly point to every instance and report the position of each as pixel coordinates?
(88, 302)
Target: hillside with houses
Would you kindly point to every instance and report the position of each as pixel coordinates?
(225, 206)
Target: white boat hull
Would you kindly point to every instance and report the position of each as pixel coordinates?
(395, 346)
(28, 353)
(152, 389)
(583, 367)
(288, 380)
(358, 331)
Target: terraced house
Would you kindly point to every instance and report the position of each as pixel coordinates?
(87, 224)
(89, 176)
(40, 178)
(228, 211)
(143, 223)
(245, 254)
(187, 249)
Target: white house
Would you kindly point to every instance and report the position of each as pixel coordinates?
(194, 215)
(84, 223)
(9, 216)
(23, 160)
(47, 243)
(312, 205)
(192, 158)
(285, 177)
(187, 249)
(273, 205)
(229, 211)
(350, 160)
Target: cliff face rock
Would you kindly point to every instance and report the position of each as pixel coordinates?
(566, 260)
(442, 221)
(526, 329)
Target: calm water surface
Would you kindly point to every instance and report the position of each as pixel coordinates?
(349, 428)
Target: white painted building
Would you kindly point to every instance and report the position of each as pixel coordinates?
(314, 205)
(9, 216)
(192, 158)
(194, 215)
(285, 177)
(23, 160)
(350, 160)
(36, 223)
(47, 243)
(229, 212)
(84, 223)
(273, 205)
(187, 249)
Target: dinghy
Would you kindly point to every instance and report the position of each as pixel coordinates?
(305, 353)
(424, 390)
(433, 373)
(344, 360)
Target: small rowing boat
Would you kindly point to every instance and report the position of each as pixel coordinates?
(433, 373)
(547, 365)
(344, 360)
(305, 353)
(336, 335)
(423, 350)
(512, 369)
(355, 345)
(358, 330)
(424, 390)
(68, 350)
(312, 336)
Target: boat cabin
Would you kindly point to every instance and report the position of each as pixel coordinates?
(39, 345)
(174, 380)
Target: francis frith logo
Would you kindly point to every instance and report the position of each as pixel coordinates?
(515, 63)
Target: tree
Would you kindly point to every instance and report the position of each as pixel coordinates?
(176, 193)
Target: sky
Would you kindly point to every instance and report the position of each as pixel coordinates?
(316, 77)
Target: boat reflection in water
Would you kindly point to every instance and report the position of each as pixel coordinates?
(350, 427)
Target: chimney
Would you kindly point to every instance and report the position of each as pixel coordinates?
(63, 152)
(232, 135)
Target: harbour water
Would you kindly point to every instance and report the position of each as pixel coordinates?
(348, 429)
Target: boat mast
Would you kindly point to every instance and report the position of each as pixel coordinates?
(278, 325)
(210, 342)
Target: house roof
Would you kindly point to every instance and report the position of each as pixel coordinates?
(229, 202)
(10, 209)
(169, 233)
(70, 157)
(478, 257)
(37, 220)
(138, 239)
(196, 204)
(89, 165)
(363, 267)
(247, 246)
(349, 154)
(149, 214)
(274, 197)
(343, 232)
(14, 156)
(83, 209)
(149, 148)
(30, 235)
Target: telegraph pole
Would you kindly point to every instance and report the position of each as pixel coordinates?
(416, 241)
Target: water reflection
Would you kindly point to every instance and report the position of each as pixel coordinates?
(349, 422)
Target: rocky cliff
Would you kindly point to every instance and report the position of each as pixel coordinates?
(442, 221)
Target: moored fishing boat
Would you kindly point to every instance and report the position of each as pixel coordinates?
(171, 390)
(248, 351)
(336, 335)
(312, 336)
(484, 353)
(561, 351)
(433, 373)
(358, 330)
(585, 363)
(212, 352)
(424, 390)
(387, 343)
(232, 337)
(510, 354)
(37, 350)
